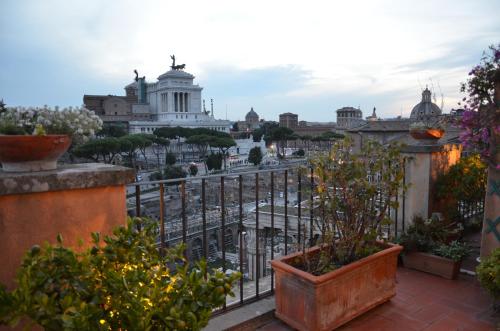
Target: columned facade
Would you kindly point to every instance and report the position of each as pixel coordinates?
(175, 101)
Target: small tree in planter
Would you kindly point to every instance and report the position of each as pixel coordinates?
(354, 194)
(125, 283)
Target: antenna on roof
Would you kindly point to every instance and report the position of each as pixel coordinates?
(432, 90)
(442, 96)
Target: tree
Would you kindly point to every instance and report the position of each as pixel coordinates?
(112, 130)
(2, 106)
(201, 141)
(104, 149)
(173, 172)
(193, 169)
(159, 144)
(257, 135)
(255, 156)
(170, 159)
(281, 135)
(129, 145)
(223, 144)
(299, 153)
(214, 162)
(145, 141)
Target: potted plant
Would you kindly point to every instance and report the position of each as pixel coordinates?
(123, 282)
(426, 131)
(32, 139)
(431, 246)
(353, 267)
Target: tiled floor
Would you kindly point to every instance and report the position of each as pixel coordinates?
(425, 302)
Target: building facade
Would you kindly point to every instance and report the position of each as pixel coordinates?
(349, 117)
(173, 100)
(289, 120)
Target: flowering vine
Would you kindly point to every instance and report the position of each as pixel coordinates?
(480, 123)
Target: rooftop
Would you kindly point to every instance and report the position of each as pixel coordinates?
(422, 302)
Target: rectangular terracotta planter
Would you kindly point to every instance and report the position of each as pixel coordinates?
(432, 264)
(308, 302)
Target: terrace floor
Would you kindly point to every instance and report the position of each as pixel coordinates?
(422, 302)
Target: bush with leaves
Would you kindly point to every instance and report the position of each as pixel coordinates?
(351, 209)
(424, 235)
(464, 181)
(255, 155)
(455, 250)
(488, 273)
(193, 169)
(122, 283)
(170, 159)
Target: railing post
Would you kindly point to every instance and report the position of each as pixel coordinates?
(240, 196)
(162, 221)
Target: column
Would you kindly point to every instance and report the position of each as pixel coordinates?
(186, 102)
(424, 164)
(177, 102)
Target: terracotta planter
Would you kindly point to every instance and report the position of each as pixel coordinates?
(308, 302)
(32, 153)
(432, 264)
(427, 134)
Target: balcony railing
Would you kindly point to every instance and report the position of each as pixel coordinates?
(239, 221)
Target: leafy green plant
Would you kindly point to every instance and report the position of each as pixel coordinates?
(455, 251)
(123, 282)
(488, 273)
(465, 181)
(424, 235)
(354, 193)
(255, 155)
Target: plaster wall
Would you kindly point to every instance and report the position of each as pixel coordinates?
(34, 218)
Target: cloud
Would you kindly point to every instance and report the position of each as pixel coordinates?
(280, 55)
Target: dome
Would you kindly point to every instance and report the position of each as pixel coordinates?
(426, 109)
(176, 74)
(251, 114)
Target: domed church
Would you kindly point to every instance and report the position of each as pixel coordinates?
(425, 110)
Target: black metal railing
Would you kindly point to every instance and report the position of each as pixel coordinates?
(236, 221)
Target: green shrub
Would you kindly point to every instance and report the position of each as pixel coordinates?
(488, 273)
(455, 251)
(426, 235)
(121, 283)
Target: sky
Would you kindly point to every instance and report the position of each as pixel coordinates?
(306, 57)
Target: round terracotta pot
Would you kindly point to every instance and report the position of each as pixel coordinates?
(428, 134)
(32, 153)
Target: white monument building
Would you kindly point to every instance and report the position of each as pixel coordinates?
(173, 101)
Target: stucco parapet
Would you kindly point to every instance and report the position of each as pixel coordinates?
(428, 148)
(65, 177)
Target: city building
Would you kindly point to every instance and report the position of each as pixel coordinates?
(386, 131)
(173, 100)
(349, 117)
(425, 110)
(289, 120)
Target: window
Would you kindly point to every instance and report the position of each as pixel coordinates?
(116, 113)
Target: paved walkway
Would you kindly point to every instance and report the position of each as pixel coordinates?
(425, 302)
